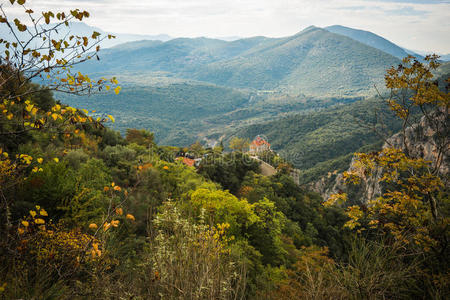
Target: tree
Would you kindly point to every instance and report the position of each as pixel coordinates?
(28, 114)
(413, 207)
(412, 86)
(196, 149)
(192, 261)
(39, 52)
(239, 144)
(139, 136)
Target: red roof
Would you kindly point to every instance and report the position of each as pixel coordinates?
(188, 161)
(259, 142)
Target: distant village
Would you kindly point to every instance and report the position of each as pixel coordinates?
(258, 146)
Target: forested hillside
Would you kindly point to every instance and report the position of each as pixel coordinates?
(325, 140)
(196, 109)
(88, 212)
(187, 105)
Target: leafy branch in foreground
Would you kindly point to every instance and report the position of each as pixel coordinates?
(411, 209)
(42, 51)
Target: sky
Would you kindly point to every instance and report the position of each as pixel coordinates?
(422, 25)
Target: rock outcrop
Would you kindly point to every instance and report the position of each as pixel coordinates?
(427, 139)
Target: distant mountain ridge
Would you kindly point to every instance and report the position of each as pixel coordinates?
(312, 62)
(83, 29)
(373, 40)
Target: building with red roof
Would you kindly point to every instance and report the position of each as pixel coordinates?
(258, 145)
(188, 161)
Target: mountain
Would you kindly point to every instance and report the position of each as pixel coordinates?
(171, 87)
(312, 62)
(83, 29)
(372, 40)
(445, 57)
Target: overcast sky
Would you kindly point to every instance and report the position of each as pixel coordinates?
(415, 24)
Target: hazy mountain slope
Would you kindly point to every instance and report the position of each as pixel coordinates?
(171, 56)
(177, 56)
(313, 61)
(445, 57)
(83, 29)
(370, 39)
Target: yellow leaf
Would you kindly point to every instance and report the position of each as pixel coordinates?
(40, 160)
(56, 159)
(93, 226)
(39, 221)
(117, 90)
(43, 212)
(119, 211)
(106, 226)
(32, 213)
(25, 223)
(29, 107)
(111, 118)
(130, 217)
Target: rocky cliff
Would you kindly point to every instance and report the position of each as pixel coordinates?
(427, 139)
